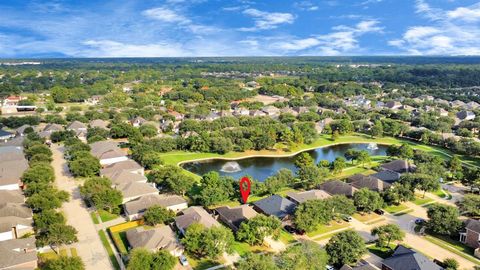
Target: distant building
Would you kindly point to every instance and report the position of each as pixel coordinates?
(107, 152)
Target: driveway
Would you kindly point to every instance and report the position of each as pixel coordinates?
(89, 246)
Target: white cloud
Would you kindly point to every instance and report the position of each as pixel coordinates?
(109, 48)
(343, 40)
(267, 20)
(305, 5)
(166, 15)
(452, 32)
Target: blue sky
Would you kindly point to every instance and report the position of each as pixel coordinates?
(127, 28)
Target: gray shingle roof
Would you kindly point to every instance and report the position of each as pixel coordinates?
(195, 214)
(106, 149)
(11, 196)
(314, 194)
(143, 203)
(399, 165)
(367, 181)
(407, 259)
(12, 165)
(275, 205)
(153, 239)
(125, 177)
(473, 225)
(236, 215)
(17, 251)
(337, 187)
(15, 209)
(127, 165)
(8, 222)
(387, 176)
(134, 189)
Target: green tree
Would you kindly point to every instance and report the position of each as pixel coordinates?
(143, 259)
(303, 160)
(64, 262)
(305, 256)
(57, 235)
(207, 243)
(345, 247)
(157, 215)
(43, 220)
(87, 166)
(470, 205)
(171, 178)
(49, 198)
(256, 229)
(340, 205)
(367, 200)
(338, 165)
(351, 154)
(38, 173)
(377, 129)
(364, 157)
(38, 149)
(309, 214)
(398, 193)
(450, 264)
(253, 261)
(99, 191)
(215, 188)
(148, 130)
(312, 176)
(387, 233)
(443, 219)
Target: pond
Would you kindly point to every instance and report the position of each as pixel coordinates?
(261, 168)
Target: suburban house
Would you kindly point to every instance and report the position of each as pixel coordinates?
(457, 103)
(80, 130)
(124, 177)
(234, 216)
(12, 227)
(314, 194)
(5, 135)
(18, 254)
(127, 165)
(407, 259)
(194, 214)
(136, 208)
(178, 116)
(387, 176)
(367, 181)
(271, 111)
(337, 187)
(49, 128)
(12, 166)
(275, 205)
(362, 265)
(99, 123)
(155, 239)
(134, 190)
(137, 121)
(15, 217)
(107, 152)
(399, 166)
(471, 236)
(393, 105)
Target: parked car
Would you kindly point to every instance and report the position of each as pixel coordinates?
(329, 267)
(347, 218)
(183, 260)
(289, 229)
(419, 221)
(379, 212)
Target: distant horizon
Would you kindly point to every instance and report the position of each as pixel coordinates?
(238, 28)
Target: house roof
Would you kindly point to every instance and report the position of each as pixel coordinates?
(314, 194)
(99, 123)
(195, 214)
(53, 127)
(106, 150)
(21, 129)
(134, 189)
(473, 225)
(236, 215)
(337, 187)
(407, 259)
(399, 165)
(11, 171)
(127, 165)
(4, 133)
(153, 239)
(17, 251)
(15, 209)
(143, 203)
(276, 205)
(8, 222)
(11, 196)
(367, 181)
(17, 141)
(11, 153)
(387, 176)
(366, 266)
(124, 177)
(465, 114)
(75, 125)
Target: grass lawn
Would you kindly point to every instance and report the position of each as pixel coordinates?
(367, 217)
(73, 251)
(394, 209)
(382, 252)
(443, 194)
(286, 237)
(242, 248)
(94, 217)
(120, 241)
(202, 264)
(454, 246)
(323, 229)
(106, 216)
(111, 255)
(419, 200)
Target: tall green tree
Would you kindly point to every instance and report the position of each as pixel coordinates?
(305, 256)
(257, 228)
(345, 247)
(387, 233)
(210, 243)
(64, 262)
(443, 219)
(367, 200)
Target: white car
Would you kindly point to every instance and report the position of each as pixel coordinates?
(329, 267)
(183, 260)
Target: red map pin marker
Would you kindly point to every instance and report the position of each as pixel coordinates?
(245, 188)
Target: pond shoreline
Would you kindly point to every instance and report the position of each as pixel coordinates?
(272, 155)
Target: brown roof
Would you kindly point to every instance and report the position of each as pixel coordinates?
(11, 196)
(153, 239)
(195, 214)
(17, 251)
(106, 149)
(15, 209)
(143, 203)
(134, 189)
(338, 188)
(99, 123)
(75, 125)
(314, 194)
(399, 165)
(125, 177)
(127, 165)
(366, 181)
(7, 223)
(236, 215)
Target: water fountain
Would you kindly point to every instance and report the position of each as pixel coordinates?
(231, 167)
(372, 146)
